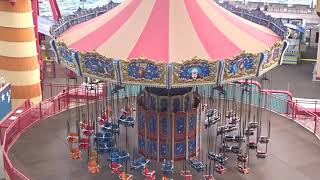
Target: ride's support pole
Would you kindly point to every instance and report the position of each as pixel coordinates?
(315, 124)
(55, 10)
(18, 53)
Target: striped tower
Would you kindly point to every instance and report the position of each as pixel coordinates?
(18, 53)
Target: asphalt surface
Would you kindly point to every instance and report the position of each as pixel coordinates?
(295, 78)
(42, 153)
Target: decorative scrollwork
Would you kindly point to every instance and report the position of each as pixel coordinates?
(97, 65)
(143, 71)
(195, 71)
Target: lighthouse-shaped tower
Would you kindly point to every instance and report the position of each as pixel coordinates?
(18, 53)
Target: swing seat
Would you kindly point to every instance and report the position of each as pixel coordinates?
(196, 164)
(249, 132)
(93, 155)
(252, 145)
(84, 143)
(211, 112)
(229, 138)
(230, 114)
(239, 139)
(106, 147)
(139, 163)
(115, 167)
(242, 169)
(124, 176)
(211, 121)
(234, 121)
(217, 157)
(235, 149)
(102, 121)
(149, 174)
(208, 177)
(253, 125)
(242, 158)
(220, 169)
(128, 121)
(88, 131)
(167, 167)
(264, 139)
(186, 174)
(93, 167)
(73, 137)
(75, 153)
(261, 154)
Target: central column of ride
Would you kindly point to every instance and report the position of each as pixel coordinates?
(167, 123)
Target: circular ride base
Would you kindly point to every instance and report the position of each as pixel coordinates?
(42, 152)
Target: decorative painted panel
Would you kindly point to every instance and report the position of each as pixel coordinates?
(66, 55)
(179, 150)
(141, 121)
(240, 67)
(180, 125)
(186, 103)
(176, 104)
(153, 103)
(192, 120)
(192, 147)
(164, 123)
(141, 145)
(97, 66)
(164, 103)
(195, 71)
(143, 71)
(270, 59)
(164, 150)
(152, 149)
(152, 125)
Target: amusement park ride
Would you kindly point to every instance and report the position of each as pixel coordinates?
(183, 111)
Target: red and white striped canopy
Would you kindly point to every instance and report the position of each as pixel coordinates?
(169, 31)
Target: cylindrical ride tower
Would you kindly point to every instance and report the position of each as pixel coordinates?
(18, 53)
(168, 123)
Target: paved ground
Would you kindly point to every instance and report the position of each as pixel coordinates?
(295, 78)
(42, 153)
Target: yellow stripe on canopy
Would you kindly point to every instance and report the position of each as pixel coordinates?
(122, 42)
(240, 38)
(79, 31)
(184, 42)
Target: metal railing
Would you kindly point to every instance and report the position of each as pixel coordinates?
(76, 97)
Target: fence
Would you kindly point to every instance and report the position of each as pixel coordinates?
(75, 97)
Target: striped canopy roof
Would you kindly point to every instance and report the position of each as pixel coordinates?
(169, 31)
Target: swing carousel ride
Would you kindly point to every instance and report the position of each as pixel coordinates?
(179, 88)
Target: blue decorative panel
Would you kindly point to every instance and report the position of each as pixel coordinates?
(66, 56)
(152, 148)
(192, 146)
(164, 125)
(176, 105)
(164, 105)
(143, 71)
(141, 144)
(186, 103)
(152, 126)
(141, 121)
(153, 103)
(5, 101)
(195, 71)
(242, 66)
(192, 121)
(164, 150)
(180, 125)
(97, 65)
(180, 149)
